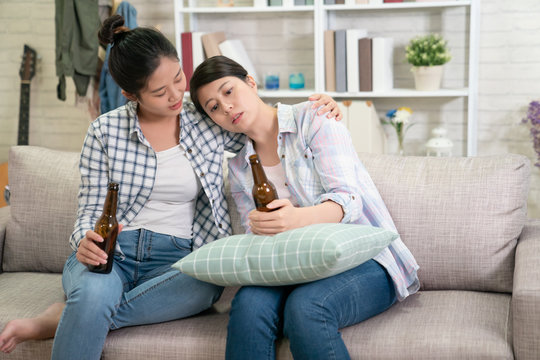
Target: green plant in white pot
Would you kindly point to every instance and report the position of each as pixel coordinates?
(427, 54)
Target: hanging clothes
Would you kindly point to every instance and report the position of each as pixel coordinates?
(109, 92)
(77, 23)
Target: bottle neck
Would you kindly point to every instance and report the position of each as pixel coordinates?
(259, 175)
(109, 208)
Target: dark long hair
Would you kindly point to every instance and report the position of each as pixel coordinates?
(211, 69)
(135, 54)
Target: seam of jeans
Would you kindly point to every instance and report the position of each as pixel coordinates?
(332, 348)
(173, 275)
(112, 325)
(321, 306)
(125, 302)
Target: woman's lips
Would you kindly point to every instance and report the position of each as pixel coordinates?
(237, 118)
(176, 106)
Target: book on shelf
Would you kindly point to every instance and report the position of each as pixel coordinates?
(186, 40)
(353, 74)
(382, 49)
(375, 2)
(329, 61)
(211, 41)
(234, 49)
(393, 1)
(362, 121)
(197, 48)
(275, 2)
(340, 46)
(365, 64)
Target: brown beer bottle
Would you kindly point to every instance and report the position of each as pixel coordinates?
(264, 191)
(107, 228)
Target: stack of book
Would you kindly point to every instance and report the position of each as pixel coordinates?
(356, 62)
(198, 46)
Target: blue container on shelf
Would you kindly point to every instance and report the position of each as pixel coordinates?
(296, 81)
(271, 82)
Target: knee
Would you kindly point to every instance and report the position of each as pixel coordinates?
(302, 313)
(205, 295)
(94, 292)
(253, 306)
(244, 306)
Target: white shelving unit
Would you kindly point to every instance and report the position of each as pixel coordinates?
(321, 15)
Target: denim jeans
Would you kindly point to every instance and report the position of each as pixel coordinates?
(142, 288)
(309, 315)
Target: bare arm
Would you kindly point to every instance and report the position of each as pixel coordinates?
(288, 217)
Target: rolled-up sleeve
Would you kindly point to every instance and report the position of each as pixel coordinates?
(336, 164)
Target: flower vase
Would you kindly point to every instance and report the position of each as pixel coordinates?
(401, 150)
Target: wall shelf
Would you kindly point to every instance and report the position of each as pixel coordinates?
(321, 20)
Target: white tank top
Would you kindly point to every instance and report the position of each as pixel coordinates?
(170, 208)
(276, 174)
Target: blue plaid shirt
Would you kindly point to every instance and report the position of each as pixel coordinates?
(321, 164)
(115, 149)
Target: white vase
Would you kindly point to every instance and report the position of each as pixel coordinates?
(428, 78)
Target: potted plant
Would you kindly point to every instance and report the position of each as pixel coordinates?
(427, 54)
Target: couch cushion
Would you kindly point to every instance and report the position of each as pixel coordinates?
(437, 325)
(460, 217)
(44, 184)
(296, 256)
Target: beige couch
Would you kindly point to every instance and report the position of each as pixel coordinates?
(463, 218)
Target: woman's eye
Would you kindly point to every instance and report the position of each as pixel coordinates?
(213, 108)
(228, 92)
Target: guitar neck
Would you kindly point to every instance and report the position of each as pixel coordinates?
(24, 114)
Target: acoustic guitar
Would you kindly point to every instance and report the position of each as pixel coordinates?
(26, 73)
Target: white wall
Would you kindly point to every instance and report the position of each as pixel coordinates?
(508, 79)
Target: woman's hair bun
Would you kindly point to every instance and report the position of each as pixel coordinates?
(111, 27)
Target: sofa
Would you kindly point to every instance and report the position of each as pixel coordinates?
(464, 219)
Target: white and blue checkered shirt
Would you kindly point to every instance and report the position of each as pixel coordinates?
(115, 149)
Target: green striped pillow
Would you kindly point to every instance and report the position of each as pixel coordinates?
(295, 256)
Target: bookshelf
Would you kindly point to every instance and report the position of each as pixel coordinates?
(323, 17)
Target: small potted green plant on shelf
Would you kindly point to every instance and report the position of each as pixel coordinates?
(427, 54)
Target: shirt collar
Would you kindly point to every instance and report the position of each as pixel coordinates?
(188, 116)
(286, 123)
(131, 110)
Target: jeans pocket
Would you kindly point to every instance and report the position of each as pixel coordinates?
(180, 243)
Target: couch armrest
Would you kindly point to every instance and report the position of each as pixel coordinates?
(4, 217)
(526, 293)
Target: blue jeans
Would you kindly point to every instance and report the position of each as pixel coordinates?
(309, 315)
(142, 288)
